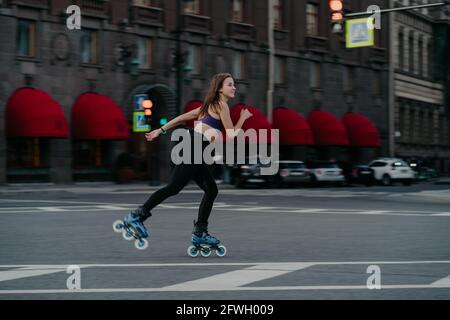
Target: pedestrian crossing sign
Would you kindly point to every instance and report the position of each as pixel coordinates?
(140, 122)
(359, 33)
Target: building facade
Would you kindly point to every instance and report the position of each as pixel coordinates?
(125, 48)
(422, 116)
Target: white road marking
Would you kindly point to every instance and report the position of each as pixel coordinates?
(442, 282)
(96, 207)
(27, 272)
(239, 278)
(228, 281)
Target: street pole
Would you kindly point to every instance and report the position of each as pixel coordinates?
(391, 84)
(271, 59)
(178, 59)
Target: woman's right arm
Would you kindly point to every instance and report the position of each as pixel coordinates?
(232, 131)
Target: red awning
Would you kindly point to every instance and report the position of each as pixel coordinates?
(327, 129)
(361, 131)
(191, 106)
(33, 113)
(257, 121)
(294, 130)
(95, 116)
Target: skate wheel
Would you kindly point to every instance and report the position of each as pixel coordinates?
(141, 244)
(192, 251)
(205, 252)
(118, 226)
(221, 251)
(127, 235)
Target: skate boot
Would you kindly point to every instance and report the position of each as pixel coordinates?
(204, 243)
(132, 227)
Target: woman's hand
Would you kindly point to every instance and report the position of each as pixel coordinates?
(150, 136)
(245, 114)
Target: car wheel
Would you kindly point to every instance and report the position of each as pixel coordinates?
(386, 180)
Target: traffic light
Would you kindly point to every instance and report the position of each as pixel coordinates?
(147, 105)
(337, 15)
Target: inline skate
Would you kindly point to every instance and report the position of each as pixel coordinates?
(131, 228)
(203, 243)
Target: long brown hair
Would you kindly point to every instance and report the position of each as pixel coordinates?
(213, 96)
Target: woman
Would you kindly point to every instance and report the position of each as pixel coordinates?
(214, 114)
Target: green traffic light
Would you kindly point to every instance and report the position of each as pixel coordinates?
(163, 121)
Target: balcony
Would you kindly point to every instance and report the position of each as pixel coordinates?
(318, 44)
(197, 24)
(147, 15)
(96, 8)
(378, 54)
(241, 31)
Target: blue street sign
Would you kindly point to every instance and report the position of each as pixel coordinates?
(138, 101)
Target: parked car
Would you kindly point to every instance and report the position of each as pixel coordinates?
(249, 172)
(421, 171)
(357, 173)
(389, 170)
(290, 172)
(325, 171)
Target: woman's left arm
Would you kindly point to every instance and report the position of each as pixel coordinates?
(191, 115)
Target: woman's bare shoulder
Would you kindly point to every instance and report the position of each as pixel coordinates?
(223, 106)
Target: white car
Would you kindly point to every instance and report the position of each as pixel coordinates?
(325, 171)
(389, 170)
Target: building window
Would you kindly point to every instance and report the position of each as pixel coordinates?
(238, 67)
(378, 83)
(280, 70)
(411, 53)
(312, 19)
(238, 11)
(420, 53)
(278, 14)
(26, 38)
(349, 75)
(430, 60)
(89, 45)
(145, 53)
(28, 153)
(315, 75)
(401, 51)
(192, 7)
(90, 153)
(195, 59)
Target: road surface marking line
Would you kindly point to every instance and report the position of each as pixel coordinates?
(26, 272)
(186, 289)
(239, 278)
(442, 282)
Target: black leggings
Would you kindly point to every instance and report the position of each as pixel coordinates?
(181, 175)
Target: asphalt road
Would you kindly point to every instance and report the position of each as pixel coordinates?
(283, 244)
